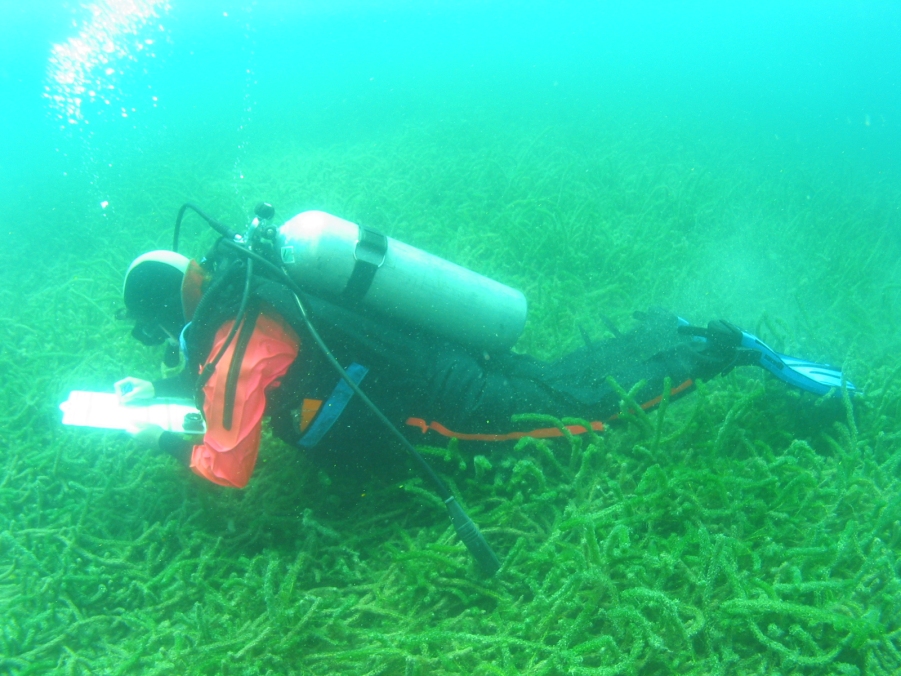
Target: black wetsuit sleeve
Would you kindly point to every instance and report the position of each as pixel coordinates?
(181, 385)
(177, 446)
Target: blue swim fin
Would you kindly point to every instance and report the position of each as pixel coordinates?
(819, 379)
(726, 340)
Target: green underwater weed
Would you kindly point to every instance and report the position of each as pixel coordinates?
(746, 529)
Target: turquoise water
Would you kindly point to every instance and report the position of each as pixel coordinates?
(738, 161)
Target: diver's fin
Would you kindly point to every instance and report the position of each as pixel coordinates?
(723, 338)
(810, 376)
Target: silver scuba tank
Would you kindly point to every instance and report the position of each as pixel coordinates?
(359, 267)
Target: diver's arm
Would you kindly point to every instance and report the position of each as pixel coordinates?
(180, 385)
(131, 389)
(172, 443)
(177, 446)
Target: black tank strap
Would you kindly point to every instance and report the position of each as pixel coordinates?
(234, 369)
(369, 255)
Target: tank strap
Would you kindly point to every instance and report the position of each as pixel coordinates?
(369, 254)
(332, 408)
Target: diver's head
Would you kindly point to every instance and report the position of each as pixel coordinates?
(152, 293)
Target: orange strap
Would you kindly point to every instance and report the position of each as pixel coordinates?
(192, 288)
(308, 410)
(678, 389)
(542, 433)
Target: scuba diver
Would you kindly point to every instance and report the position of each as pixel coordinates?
(242, 321)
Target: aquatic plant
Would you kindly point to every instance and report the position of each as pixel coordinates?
(745, 529)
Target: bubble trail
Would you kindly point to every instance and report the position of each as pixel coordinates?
(83, 69)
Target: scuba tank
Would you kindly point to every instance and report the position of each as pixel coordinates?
(362, 269)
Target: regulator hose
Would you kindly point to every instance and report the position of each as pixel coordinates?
(466, 529)
(207, 370)
(223, 230)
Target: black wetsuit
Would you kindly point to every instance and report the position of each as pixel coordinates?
(415, 376)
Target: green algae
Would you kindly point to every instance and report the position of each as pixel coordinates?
(746, 529)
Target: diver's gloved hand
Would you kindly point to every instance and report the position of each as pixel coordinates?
(723, 339)
(718, 345)
(132, 389)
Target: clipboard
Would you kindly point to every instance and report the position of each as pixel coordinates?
(103, 410)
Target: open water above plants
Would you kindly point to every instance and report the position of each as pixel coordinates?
(737, 163)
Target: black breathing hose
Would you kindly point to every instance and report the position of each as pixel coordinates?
(207, 371)
(466, 529)
(223, 230)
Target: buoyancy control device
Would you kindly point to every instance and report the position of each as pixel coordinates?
(360, 268)
(264, 245)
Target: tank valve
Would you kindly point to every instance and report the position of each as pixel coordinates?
(264, 211)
